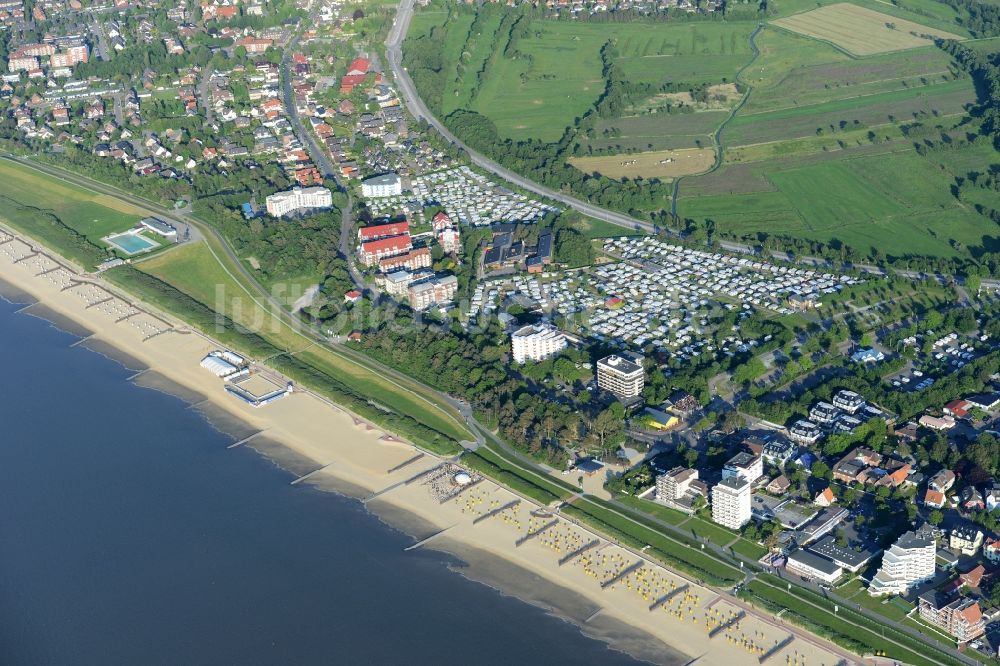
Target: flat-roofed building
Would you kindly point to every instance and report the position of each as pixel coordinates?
(298, 200)
(159, 227)
(850, 559)
(620, 376)
(908, 563)
(676, 483)
(386, 185)
(536, 343)
(432, 292)
(813, 566)
(415, 259)
(731, 505)
(745, 466)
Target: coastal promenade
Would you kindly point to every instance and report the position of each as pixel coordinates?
(337, 450)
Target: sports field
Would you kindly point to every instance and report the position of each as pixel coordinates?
(862, 31)
(662, 164)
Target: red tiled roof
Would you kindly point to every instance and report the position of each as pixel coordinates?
(934, 498)
(359, 65)
(394, 243)
(382, 230)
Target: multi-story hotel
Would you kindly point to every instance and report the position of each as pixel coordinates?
(620, 376)
(433, 292)
(731, 502)
(298, 199)
(535, 343)
(907, 564)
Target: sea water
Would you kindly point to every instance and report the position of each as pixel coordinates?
(131, 534)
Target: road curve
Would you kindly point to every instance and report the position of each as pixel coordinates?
(393, 49)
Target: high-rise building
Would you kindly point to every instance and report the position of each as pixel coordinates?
(745, 466)
(731, 502)
(908, 563)
(298, 199)
(620, 376)
(535, 343)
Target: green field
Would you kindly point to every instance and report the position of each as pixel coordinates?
(864, 204)
(895, 106)
(559, 76)
(195, 271)
(92, 215)
(824, 146)
(821, 150)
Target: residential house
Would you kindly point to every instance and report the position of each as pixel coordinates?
(778, 485)
(825, 497)
(965, 539)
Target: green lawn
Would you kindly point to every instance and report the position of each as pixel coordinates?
(193, 270)
(90, 214)
(664, 513)
(845, 627)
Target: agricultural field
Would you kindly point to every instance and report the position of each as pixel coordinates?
(861, 31)
(793, 72)
(824, 147)
(655, 131)
(558, 76)
(815, 132)
(862, 202)
(928, 102)
(663, 164)
(90, 214)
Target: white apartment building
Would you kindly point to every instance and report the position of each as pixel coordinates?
(387, 185)
(745, 466)
(536, 343)
(438, 291)
(676, 483)
(298, 199)
(907, 564)
(731, 502)
(620, 376)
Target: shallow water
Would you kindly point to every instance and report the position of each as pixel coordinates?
(131, 534)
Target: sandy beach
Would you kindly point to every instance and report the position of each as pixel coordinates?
(506, 541)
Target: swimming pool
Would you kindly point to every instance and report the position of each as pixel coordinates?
(131, 243)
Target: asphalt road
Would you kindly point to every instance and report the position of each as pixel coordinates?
(418, 109)
(317, 154)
